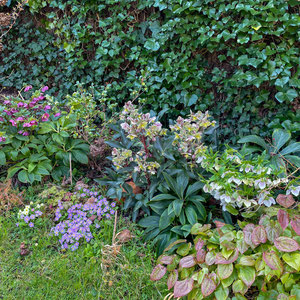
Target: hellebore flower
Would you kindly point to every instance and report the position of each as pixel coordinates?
(20, 104)
(57, 115)
(13, 123)
(47, 107)
(29, 87)
(44, 89)
(45, 117)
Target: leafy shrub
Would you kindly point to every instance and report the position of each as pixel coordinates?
(228, 57)
(149, 155)
(262, 260)
(35, 138)
(279, 156)
(240, 181)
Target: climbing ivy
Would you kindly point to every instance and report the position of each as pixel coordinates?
(238, 59)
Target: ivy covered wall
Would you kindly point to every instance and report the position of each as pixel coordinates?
(238, 59)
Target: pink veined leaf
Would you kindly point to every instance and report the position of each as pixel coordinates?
(199, 245)
(219, 224)
(201, 256)
(248, 229)
(283, 218)
(210, 258)
(285, 200)
(221, 260)
(272, 260)
(295, 223)
(165, 259)
(286, 244)
(273, 232)
(259, 235)
(187, 262)
(242, 246)
(208, 286)
(264, 220)
(172, 279)
(158, 272)
(182, 288)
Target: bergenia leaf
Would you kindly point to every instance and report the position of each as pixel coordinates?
(172, 279)
(286, 244)
(200, 257)
(259, 235)
(187, 262)
(248, 229)
(224, 271)
(285, 200)
(208, 286)
(158, 272)
(295, 223)
(182, 288)
(283, 218)
(272, 260)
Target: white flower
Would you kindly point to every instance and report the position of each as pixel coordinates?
(268, 202)
(237, 181)
(205, 189)
(294, 190)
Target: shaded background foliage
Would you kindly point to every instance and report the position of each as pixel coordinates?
(238, 59)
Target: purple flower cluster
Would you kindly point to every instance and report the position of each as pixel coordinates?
(24, 114)
(76, 222)
(29, 215)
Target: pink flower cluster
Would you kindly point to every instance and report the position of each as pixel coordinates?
(24, 114)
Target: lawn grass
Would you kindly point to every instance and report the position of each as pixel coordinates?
(48, 273)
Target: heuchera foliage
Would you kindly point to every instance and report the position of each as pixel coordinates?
(239, 59)
(262, 258)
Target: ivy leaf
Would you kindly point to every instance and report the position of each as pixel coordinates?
(151, 44)
(286, 244)
(158, 272)
(182, 288)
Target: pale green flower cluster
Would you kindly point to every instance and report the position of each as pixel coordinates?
(188, 136)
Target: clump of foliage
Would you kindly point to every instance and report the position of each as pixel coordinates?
(36, 138)
(237, 59)
(281, 152)
(261, 260)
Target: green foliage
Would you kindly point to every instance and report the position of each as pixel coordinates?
(281, 152)
(44, 146)
(238, 59)
(262, 260)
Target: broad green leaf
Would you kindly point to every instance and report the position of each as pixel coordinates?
(292, 259)
(80, 156)
(247, 275)
(224, 271)
(2, 158)
(191, 215)
(151, 221)
(254, 139)
(279, 138)
(163, 197)
(292, 148)
(177, 206)
(182, 182)
(23, 176)
(166, 219)
(192, 189)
